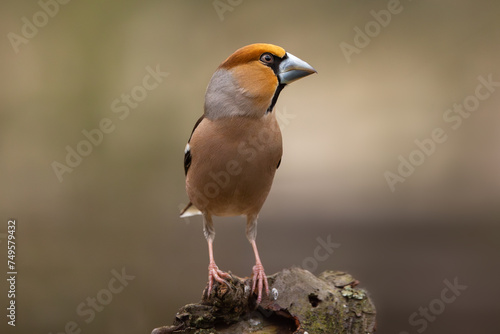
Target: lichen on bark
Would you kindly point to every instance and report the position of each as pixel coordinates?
(299, 303)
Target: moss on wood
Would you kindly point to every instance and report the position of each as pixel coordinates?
(299, 303)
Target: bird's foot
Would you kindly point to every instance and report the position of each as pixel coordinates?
(259, 281)
(214, 273)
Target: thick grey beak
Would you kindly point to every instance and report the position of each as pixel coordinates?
(293, 68)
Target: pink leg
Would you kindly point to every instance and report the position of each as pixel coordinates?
(259, 276)
(213, 270)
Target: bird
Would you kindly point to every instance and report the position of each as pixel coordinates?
(235, 147)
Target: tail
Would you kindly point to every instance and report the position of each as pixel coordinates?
(189, 211)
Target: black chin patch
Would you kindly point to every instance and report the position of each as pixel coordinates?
(275, 97)
(275, 67)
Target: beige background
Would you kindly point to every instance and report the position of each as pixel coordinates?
(343, 129)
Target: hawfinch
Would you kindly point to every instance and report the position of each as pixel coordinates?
(235, 147)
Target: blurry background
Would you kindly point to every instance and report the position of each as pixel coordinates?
(343, 129)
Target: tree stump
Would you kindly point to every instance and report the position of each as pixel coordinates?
(298, 303)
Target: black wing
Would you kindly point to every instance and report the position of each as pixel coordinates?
(187, 159)
(187, 151)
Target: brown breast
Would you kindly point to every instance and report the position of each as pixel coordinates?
(237, 180)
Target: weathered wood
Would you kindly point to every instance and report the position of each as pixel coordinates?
(299, 303)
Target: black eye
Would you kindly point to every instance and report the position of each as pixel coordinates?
(267, 58)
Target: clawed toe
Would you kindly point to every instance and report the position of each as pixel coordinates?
(259, 280)
(214, 273)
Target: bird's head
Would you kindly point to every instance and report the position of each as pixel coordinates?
(249, 82)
